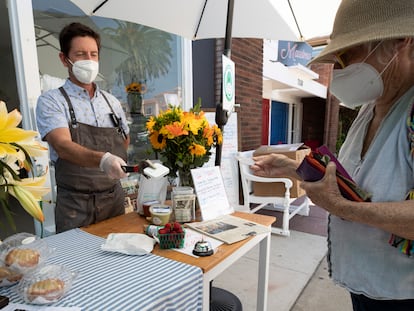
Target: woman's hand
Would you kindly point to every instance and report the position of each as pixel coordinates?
(274, 165)
(325, 192)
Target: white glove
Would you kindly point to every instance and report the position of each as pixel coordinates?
(111, 165)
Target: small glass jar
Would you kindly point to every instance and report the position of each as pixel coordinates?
(183, 202)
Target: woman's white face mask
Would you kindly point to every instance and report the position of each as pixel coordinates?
(356, 84)
(359, 83)
(85, 70)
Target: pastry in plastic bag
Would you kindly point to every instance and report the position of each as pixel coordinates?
(46, 284)
(8, 276)
(23, 252)
(49, 289)
(23, 257)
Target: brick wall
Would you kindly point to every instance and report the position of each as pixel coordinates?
(248, 59)
(331, 109)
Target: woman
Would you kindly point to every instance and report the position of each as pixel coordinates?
(372, 50)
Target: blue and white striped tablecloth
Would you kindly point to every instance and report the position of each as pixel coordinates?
(114, 281)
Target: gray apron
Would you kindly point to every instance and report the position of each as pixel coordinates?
(87, 195)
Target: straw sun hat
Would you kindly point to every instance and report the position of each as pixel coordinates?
(361, 21)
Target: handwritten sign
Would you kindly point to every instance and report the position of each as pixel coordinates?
(211, 194)
(229, 168)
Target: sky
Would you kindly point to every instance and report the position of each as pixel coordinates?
(315, 17)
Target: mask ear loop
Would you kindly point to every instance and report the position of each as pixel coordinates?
(389, 63)
(372, 51)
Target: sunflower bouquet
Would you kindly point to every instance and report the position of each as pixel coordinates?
(135, 91)
(136, 87)
(16, 148)
(183, 139)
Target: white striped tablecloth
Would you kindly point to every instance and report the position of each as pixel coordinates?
(114, 281)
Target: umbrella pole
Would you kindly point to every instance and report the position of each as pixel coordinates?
(222, 115)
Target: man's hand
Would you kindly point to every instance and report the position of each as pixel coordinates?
(111, 165)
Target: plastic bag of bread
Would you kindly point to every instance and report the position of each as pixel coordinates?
(9, 276)
(23, 252)
(46, 284)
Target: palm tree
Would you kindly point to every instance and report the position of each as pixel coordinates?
(149, 50)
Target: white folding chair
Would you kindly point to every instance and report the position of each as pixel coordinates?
(290, 207)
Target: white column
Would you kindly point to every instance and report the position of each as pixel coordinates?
(187, 74)
(28, 85)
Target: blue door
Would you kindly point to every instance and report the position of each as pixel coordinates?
(278, 123)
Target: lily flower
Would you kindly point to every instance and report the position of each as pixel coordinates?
(17, 146)
(29, 192)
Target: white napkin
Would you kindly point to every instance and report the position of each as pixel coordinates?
(129, 243)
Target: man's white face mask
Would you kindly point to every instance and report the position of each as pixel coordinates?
(85, 70)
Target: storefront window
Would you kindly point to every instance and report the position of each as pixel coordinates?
(139, 65)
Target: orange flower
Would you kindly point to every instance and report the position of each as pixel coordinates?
(219, 134)
(174, 130)
(208, 134)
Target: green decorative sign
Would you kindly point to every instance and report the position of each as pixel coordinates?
(228, 84)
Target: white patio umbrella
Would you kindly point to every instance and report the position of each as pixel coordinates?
(200, 19)
(197, 19)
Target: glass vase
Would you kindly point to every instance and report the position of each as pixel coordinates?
(186, 180)
(134, 102)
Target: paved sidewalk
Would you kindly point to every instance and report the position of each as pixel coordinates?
(321, 294)
(293, 261)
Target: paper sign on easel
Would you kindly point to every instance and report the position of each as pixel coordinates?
(211, 194)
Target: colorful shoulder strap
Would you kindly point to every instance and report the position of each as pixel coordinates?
(406, 246)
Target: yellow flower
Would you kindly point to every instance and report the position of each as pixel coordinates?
(17, 146)
(197, 150)
(195, 123)
(150, 123)
(157, 140)
(29, 192)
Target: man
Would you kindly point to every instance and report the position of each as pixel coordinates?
(88, 135)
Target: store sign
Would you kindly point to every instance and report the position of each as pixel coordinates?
(228, 84)
(292, 53)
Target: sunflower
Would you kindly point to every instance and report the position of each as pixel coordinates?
(157, 140)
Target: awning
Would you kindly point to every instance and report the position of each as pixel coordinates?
(294, 81)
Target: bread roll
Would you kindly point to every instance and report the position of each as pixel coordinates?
(24, 257)
(49, 289)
